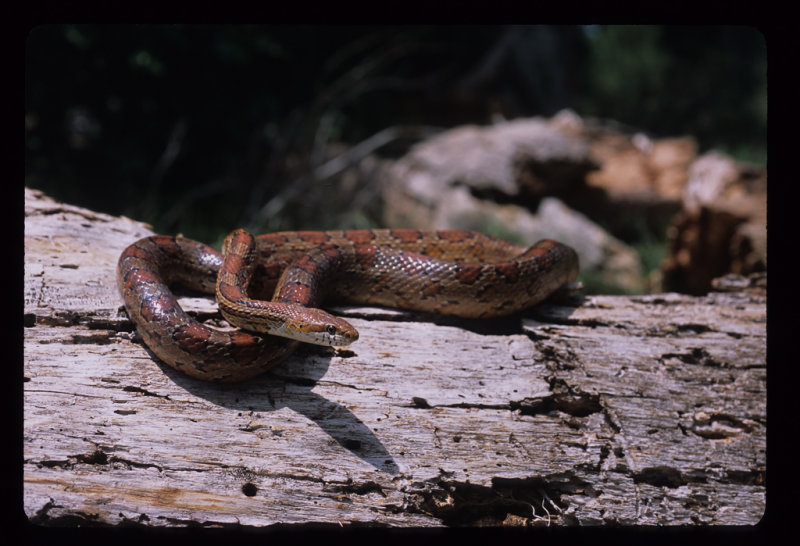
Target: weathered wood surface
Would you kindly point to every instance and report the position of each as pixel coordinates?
(623, 410)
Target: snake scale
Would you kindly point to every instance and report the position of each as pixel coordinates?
(448, 272)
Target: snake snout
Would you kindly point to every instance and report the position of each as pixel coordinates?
(339, 332)
(319, 327)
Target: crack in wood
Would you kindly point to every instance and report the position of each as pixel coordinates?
(358, 488)
(718, 425)
(97, 457)
(139, 390)
(68, 518)
(660, 476)
(697, 355)
(88, 320)
(459, 503)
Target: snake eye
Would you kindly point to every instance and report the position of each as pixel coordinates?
(331, 329)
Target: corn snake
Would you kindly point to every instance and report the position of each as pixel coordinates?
(448, 272)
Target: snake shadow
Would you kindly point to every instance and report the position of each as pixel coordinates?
(290, 385)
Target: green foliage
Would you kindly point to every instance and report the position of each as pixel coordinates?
(593, 283)
(705, 81)
(194, 128)
(627, 68)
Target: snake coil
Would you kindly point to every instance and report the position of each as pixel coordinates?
(448, 272)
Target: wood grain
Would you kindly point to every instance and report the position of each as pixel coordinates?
(616, 410)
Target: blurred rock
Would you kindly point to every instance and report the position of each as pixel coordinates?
(639, 179)
(492, 179)
(524, 179)
(488, 161)
(722, 227)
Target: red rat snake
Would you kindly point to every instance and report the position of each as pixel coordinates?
(449, 272)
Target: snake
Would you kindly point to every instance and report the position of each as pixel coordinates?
(270, 288)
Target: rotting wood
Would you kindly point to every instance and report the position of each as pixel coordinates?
(614, 410)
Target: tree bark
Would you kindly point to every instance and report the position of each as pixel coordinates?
(611, 410)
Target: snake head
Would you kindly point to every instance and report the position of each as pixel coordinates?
(312, 325)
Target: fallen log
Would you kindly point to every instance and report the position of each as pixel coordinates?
(610, 410)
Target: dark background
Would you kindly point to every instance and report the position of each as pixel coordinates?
(192, 128)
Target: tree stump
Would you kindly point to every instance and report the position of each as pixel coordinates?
(610, 410)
